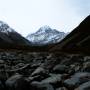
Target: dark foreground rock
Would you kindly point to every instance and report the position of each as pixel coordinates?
(41, 86)
(85, 86)
(62, 88)
(55, 80)
(2, 86)
(77, 80)
(17, 82)
(60, 69)
(43, 71)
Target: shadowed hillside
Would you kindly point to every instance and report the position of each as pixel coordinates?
(77, 41)
(10, 39)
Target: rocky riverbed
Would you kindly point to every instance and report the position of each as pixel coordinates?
(44, 71)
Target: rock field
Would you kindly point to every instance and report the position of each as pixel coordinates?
(44, 71)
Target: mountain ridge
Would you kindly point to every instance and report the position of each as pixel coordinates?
(9, 36)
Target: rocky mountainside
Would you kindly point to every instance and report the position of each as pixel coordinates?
(46, 35)
(9, 36)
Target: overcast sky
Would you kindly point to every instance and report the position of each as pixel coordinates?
(27, 16)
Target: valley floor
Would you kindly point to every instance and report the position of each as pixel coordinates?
(44, 71)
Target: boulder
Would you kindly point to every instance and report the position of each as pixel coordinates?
(2, 62)
(87, 66)
(84, 86)
(17, 82)
(39, 86)
(55, 79)
(60, 69)
(61, 88)
(36, 78)
(2, 87)
(76, 80)
(38, 71)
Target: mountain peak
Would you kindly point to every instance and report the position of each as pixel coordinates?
(44, 29)
(5, 28)
(9, 36)
(45, 35)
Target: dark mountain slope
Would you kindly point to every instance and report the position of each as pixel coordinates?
(10, 38)
(78, 40)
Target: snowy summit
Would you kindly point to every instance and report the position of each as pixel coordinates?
(45, 35)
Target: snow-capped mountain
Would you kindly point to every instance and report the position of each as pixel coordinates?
(45, 35)
(9, 36)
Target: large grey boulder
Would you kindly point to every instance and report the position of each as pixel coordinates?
(85, 86)
(40, 86)
(76, 80)
(38, 71)
(54, 79)
(17, 82)
(60, 69)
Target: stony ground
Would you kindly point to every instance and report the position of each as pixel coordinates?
(44, 71)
